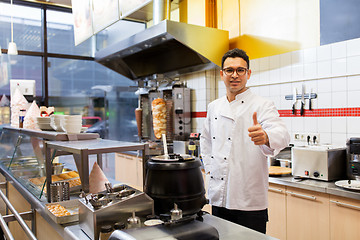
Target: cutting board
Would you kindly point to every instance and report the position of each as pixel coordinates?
(276, 170)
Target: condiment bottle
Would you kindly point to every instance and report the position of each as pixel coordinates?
(105, 232)
(21, 118)
(43, 111)
(119, 226)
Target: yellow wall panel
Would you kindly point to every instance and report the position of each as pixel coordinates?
(229, 19)
(196, 12)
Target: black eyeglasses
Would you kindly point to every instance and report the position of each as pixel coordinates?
(230, 71)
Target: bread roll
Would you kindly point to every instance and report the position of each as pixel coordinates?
(73, 174)
(65, 176)
(158, 107)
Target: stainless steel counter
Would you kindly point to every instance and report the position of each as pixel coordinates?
(315, 185)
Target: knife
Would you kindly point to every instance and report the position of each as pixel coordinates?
(302, 100)
(310, 107)
(294, 101)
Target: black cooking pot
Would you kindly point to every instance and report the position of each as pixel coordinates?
(175, 179)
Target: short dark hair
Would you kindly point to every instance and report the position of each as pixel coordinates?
(234, 53)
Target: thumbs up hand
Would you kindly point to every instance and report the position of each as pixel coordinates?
(257, 133)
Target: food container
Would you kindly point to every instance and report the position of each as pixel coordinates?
(57, 168)
(72, 206)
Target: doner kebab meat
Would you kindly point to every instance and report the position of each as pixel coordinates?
(158, 107)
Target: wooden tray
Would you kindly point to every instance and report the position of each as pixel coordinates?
(276, 170)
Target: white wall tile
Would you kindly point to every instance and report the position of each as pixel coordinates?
(275, 90)
(264, 91)
(277, 101)
(264, 64)
(310, 70)
(353, 99)
(297, 72)
(324, 69)
(324, 85)
(297, 57)
(274, 62)
(353, 65)
(324, 124)
(310, 55)
(338, 139)
(353, 126)
(255, 65)
(353, 82)
(200, 106)
(338, 67)
(274, 76)
(338, 125)
(339, 84)
(297, 124)
(285, 59)
(285, 74)
(254, 79)
(325, 138)
(311, 124)
(324, 100)
(264, 77)
(339, 100)
(324, 53)
(338, 50)
(353, 47)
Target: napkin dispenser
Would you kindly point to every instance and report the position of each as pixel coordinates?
(324, 163)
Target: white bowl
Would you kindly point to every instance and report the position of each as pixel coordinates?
(73, 117)
(71, 128)
(45, 126)
(43, 119)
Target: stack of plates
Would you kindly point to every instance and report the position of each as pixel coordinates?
(44, 123)
(71, 123)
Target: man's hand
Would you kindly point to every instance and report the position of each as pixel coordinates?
(257, 133)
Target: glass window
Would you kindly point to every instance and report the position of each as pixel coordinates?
(20, 67)
(26, 25)
(60, 32)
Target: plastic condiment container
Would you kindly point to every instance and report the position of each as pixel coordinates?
(105, 232)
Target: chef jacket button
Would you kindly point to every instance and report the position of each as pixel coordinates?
(225, 158)
(212, 156)
(222, 178)
(212, 177)
(216, 118)
(229, 139)
(242, 101)
(213, 137)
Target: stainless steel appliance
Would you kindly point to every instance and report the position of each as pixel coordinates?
(108, 208)
(353, 158)
(178, 108)
(319, 162)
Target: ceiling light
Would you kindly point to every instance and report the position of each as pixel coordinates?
(12, 49)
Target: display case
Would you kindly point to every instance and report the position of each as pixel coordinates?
(22, 153)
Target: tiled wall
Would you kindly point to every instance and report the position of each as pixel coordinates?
(332, 71)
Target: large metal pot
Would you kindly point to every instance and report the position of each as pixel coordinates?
(175, 179)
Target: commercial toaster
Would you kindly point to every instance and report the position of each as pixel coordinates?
(325, 163)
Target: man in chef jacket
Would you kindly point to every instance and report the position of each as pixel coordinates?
(241, 129)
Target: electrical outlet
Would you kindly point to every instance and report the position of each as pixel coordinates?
(297, 136)
(314, 138)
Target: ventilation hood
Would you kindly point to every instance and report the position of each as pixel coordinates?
(169, 48)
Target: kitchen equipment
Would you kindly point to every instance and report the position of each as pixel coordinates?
(60, 191)
(175, 213)
(175, 179)
(194, 230)
(282, 159)
(57, 168)
(319, 162)
(133, 221)
(294, 101)
(194, 144)
(302, 109)
(178, 108)
(353, 158)
(103, 208)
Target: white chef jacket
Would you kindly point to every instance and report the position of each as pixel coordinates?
(237, 167)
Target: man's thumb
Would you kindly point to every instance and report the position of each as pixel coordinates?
(255, 118)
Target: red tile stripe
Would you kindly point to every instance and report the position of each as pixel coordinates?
(324, 112)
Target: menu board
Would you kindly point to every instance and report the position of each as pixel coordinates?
(126, 7)
(105, 13)
(83, 29)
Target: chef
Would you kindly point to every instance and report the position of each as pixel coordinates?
(241, 129)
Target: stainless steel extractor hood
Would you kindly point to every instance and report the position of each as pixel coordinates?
(170, 48)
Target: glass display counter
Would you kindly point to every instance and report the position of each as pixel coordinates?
(22, 153)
